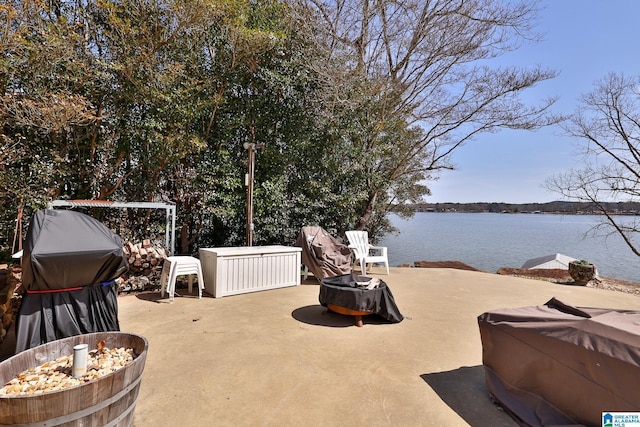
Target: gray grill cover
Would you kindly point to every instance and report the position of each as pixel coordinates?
(562, 365)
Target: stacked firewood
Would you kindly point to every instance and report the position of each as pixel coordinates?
(145, 265)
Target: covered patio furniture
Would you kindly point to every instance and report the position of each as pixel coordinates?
(69, 267)
(353, 295)
(365, 252)
(322, 253)
(562, 365)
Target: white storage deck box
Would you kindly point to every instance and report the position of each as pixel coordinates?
(239, 270)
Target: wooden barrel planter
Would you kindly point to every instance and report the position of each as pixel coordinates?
(581, 272)
(106, 401)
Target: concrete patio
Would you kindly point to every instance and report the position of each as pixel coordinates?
(276, 358)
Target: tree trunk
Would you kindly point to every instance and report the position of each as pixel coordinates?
(365, 218)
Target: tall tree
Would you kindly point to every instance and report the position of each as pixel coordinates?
(48, 115)
(123, 100)
(262, 87)
(419, 76)
(606, 125)
(357, 103)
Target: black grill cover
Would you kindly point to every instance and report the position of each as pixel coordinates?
(55, 315)
(343, 292)
(67, 249)
(69, 265)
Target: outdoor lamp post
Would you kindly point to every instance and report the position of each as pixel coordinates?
(248, 182)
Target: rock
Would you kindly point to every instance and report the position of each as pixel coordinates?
(444, 264)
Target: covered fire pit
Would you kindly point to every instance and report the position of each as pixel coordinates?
(359, 296)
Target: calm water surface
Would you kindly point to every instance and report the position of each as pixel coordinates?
(489, 241)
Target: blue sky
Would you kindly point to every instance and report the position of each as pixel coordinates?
(584, 40)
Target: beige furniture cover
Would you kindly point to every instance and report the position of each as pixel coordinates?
(323, 254)
(560, 365)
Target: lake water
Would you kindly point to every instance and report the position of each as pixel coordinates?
(489, 241)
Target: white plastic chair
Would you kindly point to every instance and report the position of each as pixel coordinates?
(365, 252)
(175, 266)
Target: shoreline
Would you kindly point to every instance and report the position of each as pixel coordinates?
(550, 275)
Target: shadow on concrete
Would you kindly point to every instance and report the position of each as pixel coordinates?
(570, 283)
(310, 280)
(465, 392)
(152, 297)
(321, 316)
(155, 296)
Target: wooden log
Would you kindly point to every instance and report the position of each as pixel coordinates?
(130, 247)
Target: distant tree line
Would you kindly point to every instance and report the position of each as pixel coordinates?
(559, 207)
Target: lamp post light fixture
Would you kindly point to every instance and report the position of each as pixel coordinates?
(248, 182)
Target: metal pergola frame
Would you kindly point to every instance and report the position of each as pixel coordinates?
(170, 229)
